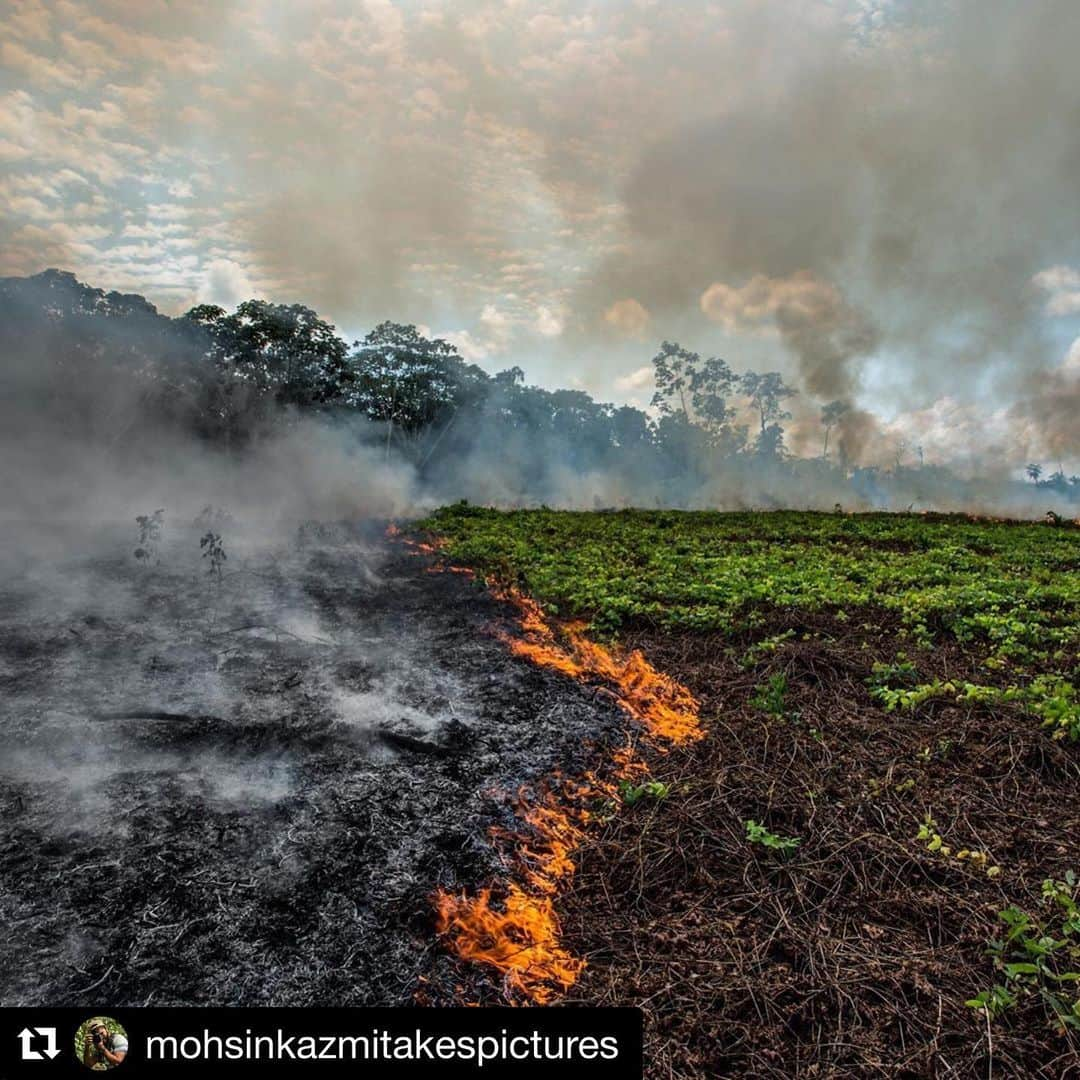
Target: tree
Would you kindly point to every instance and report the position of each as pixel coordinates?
(699, 386)
(831, 415)
(630, 428)
(1034, 471)
(410, 382)
(770, 442)
(284, 350)
(767, 394)
(673, 368)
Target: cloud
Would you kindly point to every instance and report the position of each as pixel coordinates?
(548, 323)
(760, 302)
(226, 283)
(628, 318)
(1071, 363)
(635, 380)
(1063, 285)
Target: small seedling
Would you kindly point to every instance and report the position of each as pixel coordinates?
(980, 860)
(763, 648)
(756, 833)
(1033, 961)
(214, 550)
(653, 789)
(149, 534)
(901, 673)
(929, 835)
(770, 698)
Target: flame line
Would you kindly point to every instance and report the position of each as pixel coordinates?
(520, 937)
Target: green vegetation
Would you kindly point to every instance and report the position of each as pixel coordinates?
(897, 690)
(654, 789)
(770, 697)
(1010, 592)
(980, 860)
(756, 833)
(1032, 960)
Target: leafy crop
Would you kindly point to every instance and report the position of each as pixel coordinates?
(770, 697)
(1011, 591)
(631, 793)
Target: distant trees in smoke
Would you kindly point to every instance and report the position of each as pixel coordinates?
(105, 364)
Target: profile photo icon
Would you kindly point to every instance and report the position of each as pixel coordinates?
(101, 1043)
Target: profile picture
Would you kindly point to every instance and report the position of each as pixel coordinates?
(101, 1043)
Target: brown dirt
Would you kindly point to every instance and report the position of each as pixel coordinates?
(853, 956)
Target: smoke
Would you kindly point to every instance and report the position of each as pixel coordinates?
(99, 421)
(812, 317)
(879, 187)
(1046, 417)
(892, 193)
(877, 199)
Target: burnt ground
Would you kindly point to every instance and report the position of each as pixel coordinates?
(246, 792)
(854, 955)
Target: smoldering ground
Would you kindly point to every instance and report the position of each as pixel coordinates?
(246, 790)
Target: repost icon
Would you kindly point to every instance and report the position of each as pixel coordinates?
(31, 1039)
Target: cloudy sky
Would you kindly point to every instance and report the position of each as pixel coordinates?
(880, 199)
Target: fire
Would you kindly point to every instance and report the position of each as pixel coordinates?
(521, 940)
(663, 706)
(519, 934)
(419, 547)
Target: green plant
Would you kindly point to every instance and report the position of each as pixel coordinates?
(765, 647)
(940, 752)
(1010, 592)
(149, 526)
(901, 672)
(929, 835)
(770, 698)
(631, 793)
(1032, 960)
(756, 833)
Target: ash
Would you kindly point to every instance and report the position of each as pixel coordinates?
(245, 789)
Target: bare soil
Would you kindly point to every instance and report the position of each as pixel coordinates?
(854, 955)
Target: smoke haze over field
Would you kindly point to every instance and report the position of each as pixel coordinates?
(877, 199)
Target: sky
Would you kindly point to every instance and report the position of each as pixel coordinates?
(879, 199)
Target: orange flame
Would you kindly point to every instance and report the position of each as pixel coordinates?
(522, 940)
(520, 935)
(665, 707)
(419, 547)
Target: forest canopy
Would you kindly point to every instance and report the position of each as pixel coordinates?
(108, 366)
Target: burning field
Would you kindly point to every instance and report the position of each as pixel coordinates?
(800, 786)
(250, 788)
(860, 859)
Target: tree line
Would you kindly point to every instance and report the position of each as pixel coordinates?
(232, 377)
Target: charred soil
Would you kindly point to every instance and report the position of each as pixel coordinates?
(248, 791)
